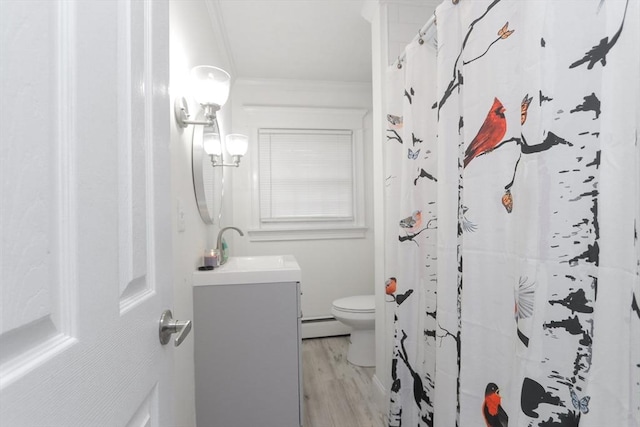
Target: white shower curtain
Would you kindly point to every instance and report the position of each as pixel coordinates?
(512, 166)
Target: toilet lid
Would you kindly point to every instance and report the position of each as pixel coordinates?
(359, 304)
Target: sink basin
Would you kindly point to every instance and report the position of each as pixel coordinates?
(251, 269)
(255, 263)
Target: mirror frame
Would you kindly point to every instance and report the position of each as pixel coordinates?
(202, 170)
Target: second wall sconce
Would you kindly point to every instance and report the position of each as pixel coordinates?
(236, 145)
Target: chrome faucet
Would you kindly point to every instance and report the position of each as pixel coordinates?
(223, 259)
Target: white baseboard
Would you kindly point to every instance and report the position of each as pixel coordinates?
(380, 397)
(323, 328)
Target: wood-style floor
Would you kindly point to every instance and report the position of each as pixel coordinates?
(336, 393)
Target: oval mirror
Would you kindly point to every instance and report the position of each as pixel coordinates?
(208, 181)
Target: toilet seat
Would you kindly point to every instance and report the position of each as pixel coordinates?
(356, 304)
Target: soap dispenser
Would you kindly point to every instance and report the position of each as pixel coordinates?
(225, 251)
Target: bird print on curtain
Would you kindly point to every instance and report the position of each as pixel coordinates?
(501, 276)
(490, 134)
(492, 411)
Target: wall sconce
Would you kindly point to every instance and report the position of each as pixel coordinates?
(210, 88)
(236, 145)
(212, 146)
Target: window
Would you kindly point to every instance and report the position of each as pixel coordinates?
(306, 175)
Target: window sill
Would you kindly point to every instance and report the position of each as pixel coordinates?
(281, 234)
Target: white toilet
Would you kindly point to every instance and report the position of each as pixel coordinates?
(359, 312)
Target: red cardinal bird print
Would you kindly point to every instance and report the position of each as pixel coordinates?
(494, 415)
(490, 134)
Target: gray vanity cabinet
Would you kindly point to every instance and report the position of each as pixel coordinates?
(248, 355)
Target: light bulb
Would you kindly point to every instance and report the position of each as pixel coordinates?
(210, 85)
(211, 144)
(237, 144)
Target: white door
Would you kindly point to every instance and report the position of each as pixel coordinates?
(85, 220)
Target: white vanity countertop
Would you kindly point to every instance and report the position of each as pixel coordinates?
(251, 269)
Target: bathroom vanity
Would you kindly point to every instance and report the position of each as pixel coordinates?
(248, 366)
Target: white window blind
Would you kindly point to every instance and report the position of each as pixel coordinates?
(306, 175)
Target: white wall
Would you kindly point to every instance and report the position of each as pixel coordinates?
(193, 42)
(330, 268)
(403, 21)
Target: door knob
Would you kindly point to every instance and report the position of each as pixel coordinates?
(169, 326)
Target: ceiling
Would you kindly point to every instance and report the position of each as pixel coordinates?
(325, 40)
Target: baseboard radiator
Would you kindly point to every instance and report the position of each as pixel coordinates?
(323, 326)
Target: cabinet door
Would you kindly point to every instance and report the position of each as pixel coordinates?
(247, 355)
